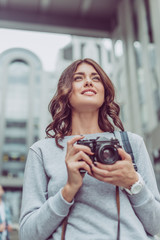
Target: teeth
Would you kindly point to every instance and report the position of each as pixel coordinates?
(88, 92)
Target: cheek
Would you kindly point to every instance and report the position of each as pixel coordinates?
(73, 97)
(102, 91)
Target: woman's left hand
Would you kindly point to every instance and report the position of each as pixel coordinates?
(121, 173)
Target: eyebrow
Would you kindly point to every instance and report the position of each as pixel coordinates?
(82, 73)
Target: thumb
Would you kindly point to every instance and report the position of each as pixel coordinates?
(123, 154)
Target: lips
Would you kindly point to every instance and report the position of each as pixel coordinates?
(89, 91)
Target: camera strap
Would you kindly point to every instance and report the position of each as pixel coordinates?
(118, 211)
(127, 146)
(64, 225)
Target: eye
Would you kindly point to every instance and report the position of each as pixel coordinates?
(96, 78)
(78, 78)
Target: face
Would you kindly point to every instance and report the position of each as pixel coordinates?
(87, 89)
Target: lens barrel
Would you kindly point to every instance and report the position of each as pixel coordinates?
(107, 154)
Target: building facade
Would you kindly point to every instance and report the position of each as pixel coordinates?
(24, 95)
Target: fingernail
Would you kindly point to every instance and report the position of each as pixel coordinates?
(92, 153)
(95, 163)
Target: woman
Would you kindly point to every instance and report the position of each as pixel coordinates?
(54, 185)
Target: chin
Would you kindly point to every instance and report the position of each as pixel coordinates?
(87, 107)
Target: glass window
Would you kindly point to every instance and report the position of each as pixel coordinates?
(14, 157)
(17, 99)
(68, 53)
(15, 140)
(99, 53)
(82, 49)
(19, 72)
(13, 124)
(118, 48)
(138, 54)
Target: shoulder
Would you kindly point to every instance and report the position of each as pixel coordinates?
(43, 145)
(134, 138)
(136, 142)
(47, 146)
(43, 142)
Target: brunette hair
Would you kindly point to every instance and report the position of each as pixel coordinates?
(60, 108)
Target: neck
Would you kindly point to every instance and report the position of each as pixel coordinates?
(85, 123)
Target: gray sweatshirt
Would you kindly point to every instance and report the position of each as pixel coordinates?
(93, 212)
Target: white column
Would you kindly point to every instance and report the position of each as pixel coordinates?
(155, 21)
(3, 75)
(125, 20)
(148, 79)
(30, 122)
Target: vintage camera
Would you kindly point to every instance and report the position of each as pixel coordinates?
(104, 149)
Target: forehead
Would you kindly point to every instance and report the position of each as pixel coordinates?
(85, 68)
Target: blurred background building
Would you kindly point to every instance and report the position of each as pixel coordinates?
(123, 36)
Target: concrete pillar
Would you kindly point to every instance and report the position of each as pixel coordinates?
(30, 121)
(155, 22)
(148, 81)
(125, 21)
(3, 107)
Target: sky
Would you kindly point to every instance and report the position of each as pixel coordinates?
(44, 45)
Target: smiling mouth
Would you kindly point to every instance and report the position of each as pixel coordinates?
(89, 92)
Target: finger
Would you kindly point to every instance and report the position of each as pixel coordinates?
(101, 172)
(81, 156)
(124, 155)
(76, 148)
(85, 166)
(109, 167)
(72, 141)
(76, 166)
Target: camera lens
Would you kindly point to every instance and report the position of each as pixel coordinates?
(108, 154)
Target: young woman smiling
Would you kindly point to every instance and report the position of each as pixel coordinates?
(54, 188)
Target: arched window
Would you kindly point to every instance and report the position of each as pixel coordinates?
(17, 91)
(18, 72)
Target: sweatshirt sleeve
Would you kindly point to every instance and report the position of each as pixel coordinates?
(146, 204)
(40, 215)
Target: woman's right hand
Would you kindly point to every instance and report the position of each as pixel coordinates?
(76, 158)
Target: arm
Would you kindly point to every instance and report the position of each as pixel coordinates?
(40, 216)
(146, 203)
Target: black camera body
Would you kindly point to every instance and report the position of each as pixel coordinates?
(104, 149)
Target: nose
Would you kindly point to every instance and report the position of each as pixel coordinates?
(88, 82)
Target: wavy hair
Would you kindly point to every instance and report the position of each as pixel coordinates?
(60, 108)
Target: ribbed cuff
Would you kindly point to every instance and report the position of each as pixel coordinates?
(141, 198)
(59, 205)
